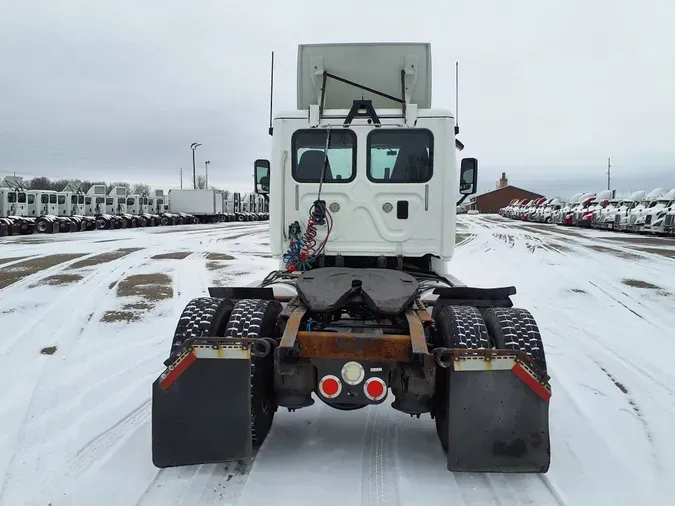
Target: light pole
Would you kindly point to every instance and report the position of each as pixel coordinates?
(206, 163)
(194, 146)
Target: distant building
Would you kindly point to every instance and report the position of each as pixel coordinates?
(492, 201)
(503, 182)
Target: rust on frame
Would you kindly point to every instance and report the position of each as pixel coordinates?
(339, 345)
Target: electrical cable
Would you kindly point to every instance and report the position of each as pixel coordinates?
(302, 252)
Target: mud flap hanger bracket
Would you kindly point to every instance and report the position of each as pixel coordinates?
(260, 347)
(469, 360)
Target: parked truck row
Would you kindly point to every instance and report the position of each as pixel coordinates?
(26, 211)
(641, 212)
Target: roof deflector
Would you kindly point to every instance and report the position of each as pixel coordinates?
(351, 66)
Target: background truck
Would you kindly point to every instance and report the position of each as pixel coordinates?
(205, 205)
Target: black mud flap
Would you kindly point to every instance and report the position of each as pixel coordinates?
(201, 412)
(497, 423)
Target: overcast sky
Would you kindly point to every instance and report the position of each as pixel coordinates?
(118, 90)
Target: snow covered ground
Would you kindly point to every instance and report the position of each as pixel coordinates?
(83, 335)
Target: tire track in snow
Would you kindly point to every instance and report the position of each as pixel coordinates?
(101, 444)
(85, 291)
(379, 483)
(593, 344)
(41, 274)
(206, 484)
(55, 312)
(29, 347)
(592, 348)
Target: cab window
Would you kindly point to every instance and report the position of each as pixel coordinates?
(52, 198)
(22, 198)
(31, 198)
(62, 199)
(44, 198)
(308, 157)
(400, 156)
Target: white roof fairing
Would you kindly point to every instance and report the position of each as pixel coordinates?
(356, 62)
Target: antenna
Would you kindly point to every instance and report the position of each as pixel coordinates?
(456, 98)
(609, 172)
(271, 92)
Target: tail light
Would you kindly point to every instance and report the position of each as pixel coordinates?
(352, 373)
(330, 386)
(375, 389)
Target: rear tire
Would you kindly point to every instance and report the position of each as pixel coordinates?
(253, 318)
(456, 327)
(515, 329)
(202, 317)
(44, 226)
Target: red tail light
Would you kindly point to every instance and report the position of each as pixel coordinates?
(375, 389)
(330, 386)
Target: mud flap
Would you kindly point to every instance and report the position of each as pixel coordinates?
(201, 410)
(497, 422)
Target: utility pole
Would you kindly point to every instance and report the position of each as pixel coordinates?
(206, 163)
(609, 172)
(194, 146)
(181, 178)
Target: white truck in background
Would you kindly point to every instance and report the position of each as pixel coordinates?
(205, 205)
(637, 215)
(14, 214)
(622, 213)
(656, 213)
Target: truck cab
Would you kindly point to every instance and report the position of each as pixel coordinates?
(42, 203)
(97, 200)
(638, 214)
(14, 216)
(656, 213)
(383, 167)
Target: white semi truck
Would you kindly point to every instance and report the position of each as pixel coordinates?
(362, 182)
(205, 205)
(14, 218)
(656, 212)
(637, 215)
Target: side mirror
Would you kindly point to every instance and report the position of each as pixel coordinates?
(262, 176)
(468, 176)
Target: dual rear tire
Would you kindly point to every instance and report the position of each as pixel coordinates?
(466, 328)
(249, 318)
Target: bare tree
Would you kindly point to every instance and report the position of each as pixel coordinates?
(142, 189)
(39, 183)
(201, 182)
(59, 184)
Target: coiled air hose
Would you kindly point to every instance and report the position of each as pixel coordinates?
(302, 252)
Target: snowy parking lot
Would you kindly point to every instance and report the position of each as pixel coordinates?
(86, 321)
